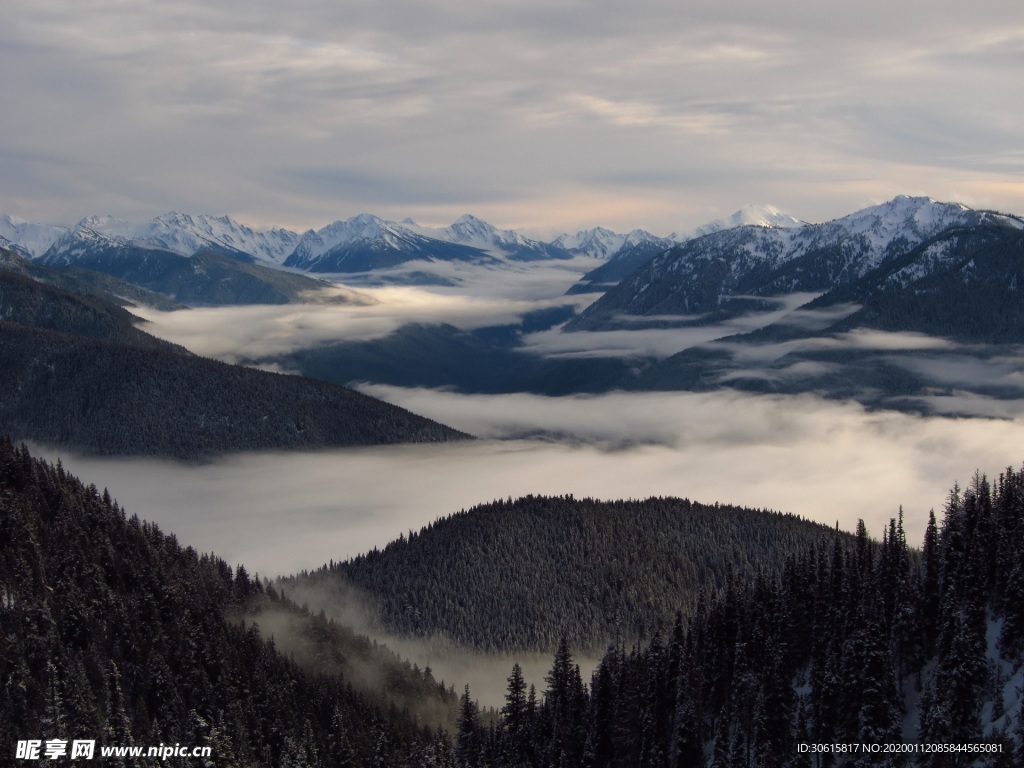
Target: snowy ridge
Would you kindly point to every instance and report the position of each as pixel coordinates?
(598, 242)
(179, 233)
(186, 234)
(469, 230)
(748, 216)
(761, 232)
(365, 227)
(472, 232)
(703, 273)
(31, 239)
(866, 235)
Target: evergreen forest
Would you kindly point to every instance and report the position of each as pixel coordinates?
(521, 575)
(853, 648)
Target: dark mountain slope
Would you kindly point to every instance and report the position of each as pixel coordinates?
(207, 278)
(87, 282)
(484, 360)
(964, 286)
(77, 372)
(111, 398)
(27, 302)
(619, 266)
(110, 630)
(521, 575)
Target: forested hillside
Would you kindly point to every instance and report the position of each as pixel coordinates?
(864, 647)
(28, 302)
(86, 282)
(520, 575)
(77, 372)
(110, 630)
(209, 277)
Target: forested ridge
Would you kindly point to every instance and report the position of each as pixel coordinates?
(867, 645)
(111, 630)
(86, 282)
(520, 575)
(77, 372)
(208, 277)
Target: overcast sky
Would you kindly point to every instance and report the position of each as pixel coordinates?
(534, 114)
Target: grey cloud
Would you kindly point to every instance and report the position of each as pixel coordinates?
(547, 114)
(969, 371)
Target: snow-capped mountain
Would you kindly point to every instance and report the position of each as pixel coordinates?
(470, 231)
(88, 238)
(748, 216)
(29, 239)
(179, 233)
(186, 234)
(185, 258)
(602, 243)
(597, 242)
(700, 275)
(367, 242)
(635, 250)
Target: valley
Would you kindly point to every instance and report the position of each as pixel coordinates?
(744, 401)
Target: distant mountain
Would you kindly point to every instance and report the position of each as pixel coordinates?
(78, 373)
(748, 216)
(632, 255)
(187, 235)
(179, 233)
(960, 289)
(27, 239)
(366, 242)
(521, 575)
(215, 276)
(716, 275)
(639, 247)
(473, 232)
(598, 242)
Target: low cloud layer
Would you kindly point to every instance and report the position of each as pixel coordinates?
(240, 334)
(280, 513)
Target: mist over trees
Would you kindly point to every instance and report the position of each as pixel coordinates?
(111, 630)
(873, 644)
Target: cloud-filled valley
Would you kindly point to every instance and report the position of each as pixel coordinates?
(828, 461)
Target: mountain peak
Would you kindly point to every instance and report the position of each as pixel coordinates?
(751, 216)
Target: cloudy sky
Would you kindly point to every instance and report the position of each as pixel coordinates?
(535, 114)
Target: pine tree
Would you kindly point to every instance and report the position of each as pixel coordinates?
(514, 719)
(470, 734)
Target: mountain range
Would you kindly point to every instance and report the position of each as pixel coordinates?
(361, 243)
(758, 251)
(728, 271)
(793, 303)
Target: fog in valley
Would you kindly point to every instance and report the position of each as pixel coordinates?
(281, 513)
(824, 459)
(827, 460)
